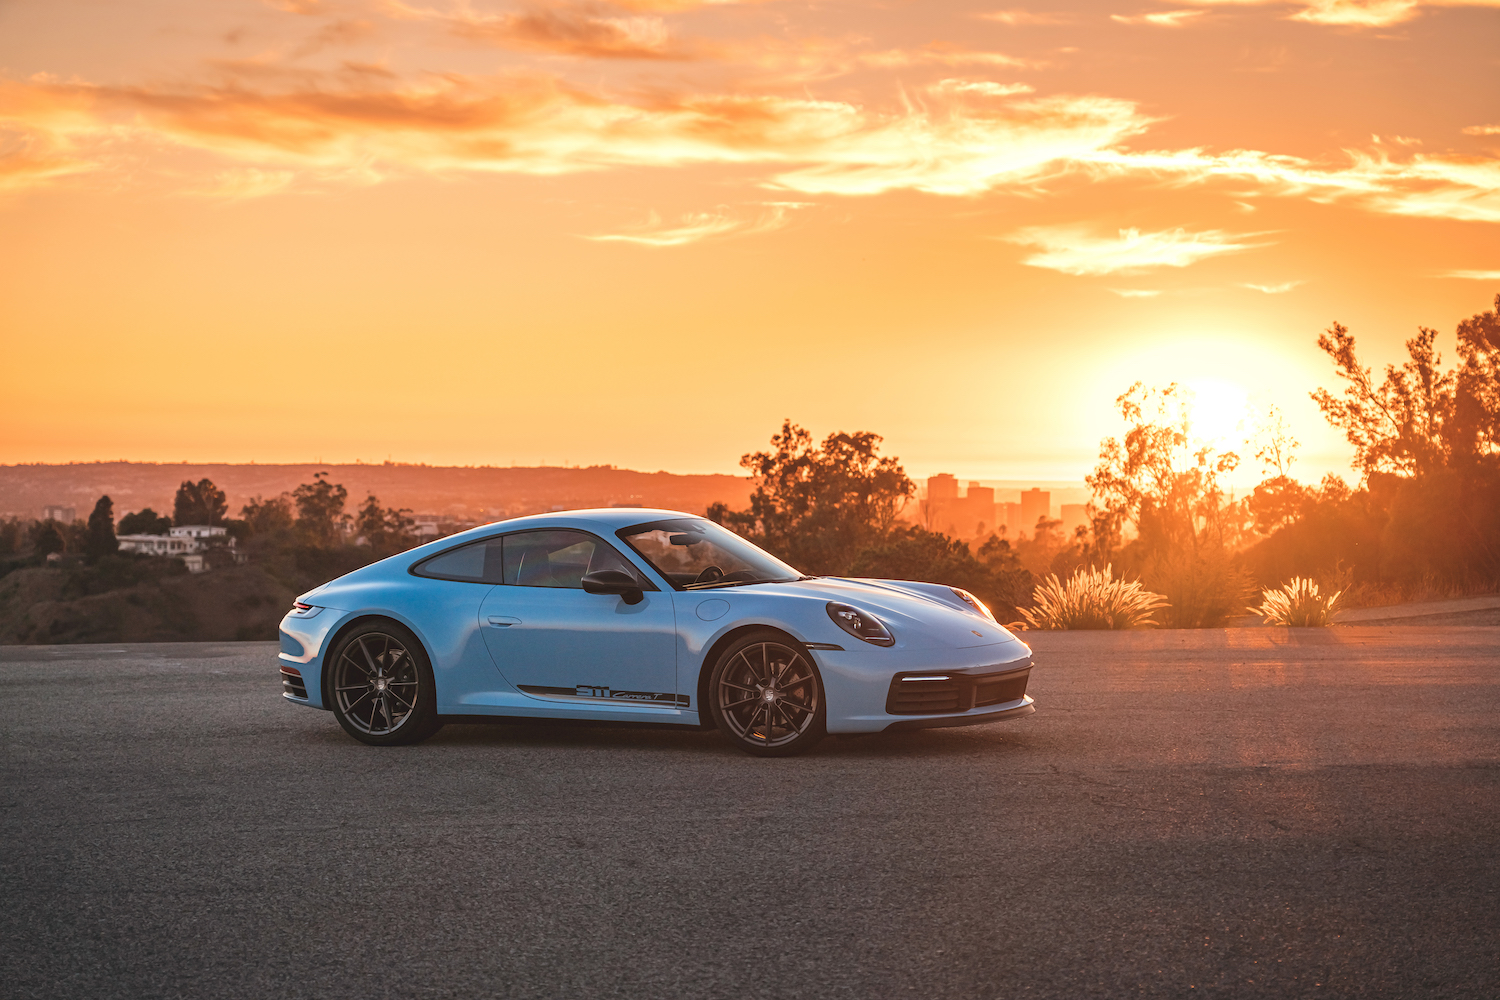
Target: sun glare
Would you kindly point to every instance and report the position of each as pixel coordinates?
(1219, 410)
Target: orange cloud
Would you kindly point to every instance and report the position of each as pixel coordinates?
(1165, 19)
(1352, 13)
(698, 226)
(955, 137)
(1074, 250)
(1482, 130)
(963, 140)
(1024, 17)
(569, 31)
(1285, 286)
(1473, 275)
(1465, 189)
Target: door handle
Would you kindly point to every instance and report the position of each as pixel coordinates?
(503, 621)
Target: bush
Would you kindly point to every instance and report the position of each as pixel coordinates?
(1092, 599)
(1203, 590)
(1299, 604)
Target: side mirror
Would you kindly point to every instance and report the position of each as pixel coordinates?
(612, 581)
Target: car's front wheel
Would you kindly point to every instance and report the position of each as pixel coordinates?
(382, 686)
(767, 696)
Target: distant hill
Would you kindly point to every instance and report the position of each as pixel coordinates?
(459, 491)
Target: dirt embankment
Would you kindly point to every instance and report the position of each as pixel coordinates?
(43, 606)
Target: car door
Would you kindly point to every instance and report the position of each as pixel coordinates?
(554, 641)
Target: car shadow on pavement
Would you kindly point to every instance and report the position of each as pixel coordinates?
(572, 734)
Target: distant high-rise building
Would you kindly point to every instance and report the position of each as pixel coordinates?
(57, 512)
(979, 508)
(942, 488)
(1008, 515)
(969, 516)
(1035, 504)
(1074, 515)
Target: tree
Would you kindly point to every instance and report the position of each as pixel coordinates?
(11, 533)
(1159, 478)
(818, 507)
(101, 538)
(199, 503)
(320, 509)
(1477, 403)
(145, 522)
(995, 575)
(263, 517)
(1427, 442)
(384, 529)
(46, 538)
(1278, 498)
(1166, 483)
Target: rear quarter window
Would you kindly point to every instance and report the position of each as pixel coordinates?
(476, 562)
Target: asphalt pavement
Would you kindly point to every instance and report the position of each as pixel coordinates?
(1251, 812)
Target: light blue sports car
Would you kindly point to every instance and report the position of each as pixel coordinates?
(635, 615)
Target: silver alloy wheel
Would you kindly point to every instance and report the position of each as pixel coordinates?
(376, 682)
(768, 694)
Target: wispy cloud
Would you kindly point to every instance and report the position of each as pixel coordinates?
(1136, 293)
(1027, 17)
(1482, 130)
(698, 226)
(1472, 275)
(956, 137)
(960, 140)
(1074, 250)
(304, 7)
(1285, 286)
(249, 182)
(560, 30)
(1441, 187)
(1351, 13)
(1359, 13)
(1165, 19)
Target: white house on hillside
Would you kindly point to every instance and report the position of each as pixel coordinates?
(185, 543)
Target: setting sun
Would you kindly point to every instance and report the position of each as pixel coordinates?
(1219, 412)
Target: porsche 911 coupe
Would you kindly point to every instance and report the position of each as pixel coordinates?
(629, 615)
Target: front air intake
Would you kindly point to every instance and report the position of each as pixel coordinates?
(292, 684)
(934, 692)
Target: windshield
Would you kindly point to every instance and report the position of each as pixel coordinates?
(695, 554)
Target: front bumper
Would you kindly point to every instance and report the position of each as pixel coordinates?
(979, 684)
(978, 717)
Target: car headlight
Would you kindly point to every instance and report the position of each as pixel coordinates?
(975, 603)
(860, 624)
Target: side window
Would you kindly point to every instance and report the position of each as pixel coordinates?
(477, 562)
(558, 558)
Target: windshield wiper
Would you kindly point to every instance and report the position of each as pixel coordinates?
(715, 584)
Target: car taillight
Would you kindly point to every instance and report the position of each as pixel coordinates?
(301, 607)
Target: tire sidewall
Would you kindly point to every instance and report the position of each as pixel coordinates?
(809, 737)
(423, 721)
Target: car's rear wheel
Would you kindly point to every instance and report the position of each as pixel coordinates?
(382, 687)
(767, 696)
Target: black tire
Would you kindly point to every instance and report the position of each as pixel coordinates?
(767, 697)
(381, 687)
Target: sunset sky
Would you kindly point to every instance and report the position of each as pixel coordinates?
(642, 232)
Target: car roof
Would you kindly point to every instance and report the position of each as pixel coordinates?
(598, 519)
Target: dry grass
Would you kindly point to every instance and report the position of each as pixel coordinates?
(1299, 604)
(1092, 599)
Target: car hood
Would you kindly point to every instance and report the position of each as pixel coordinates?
(915, 620)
